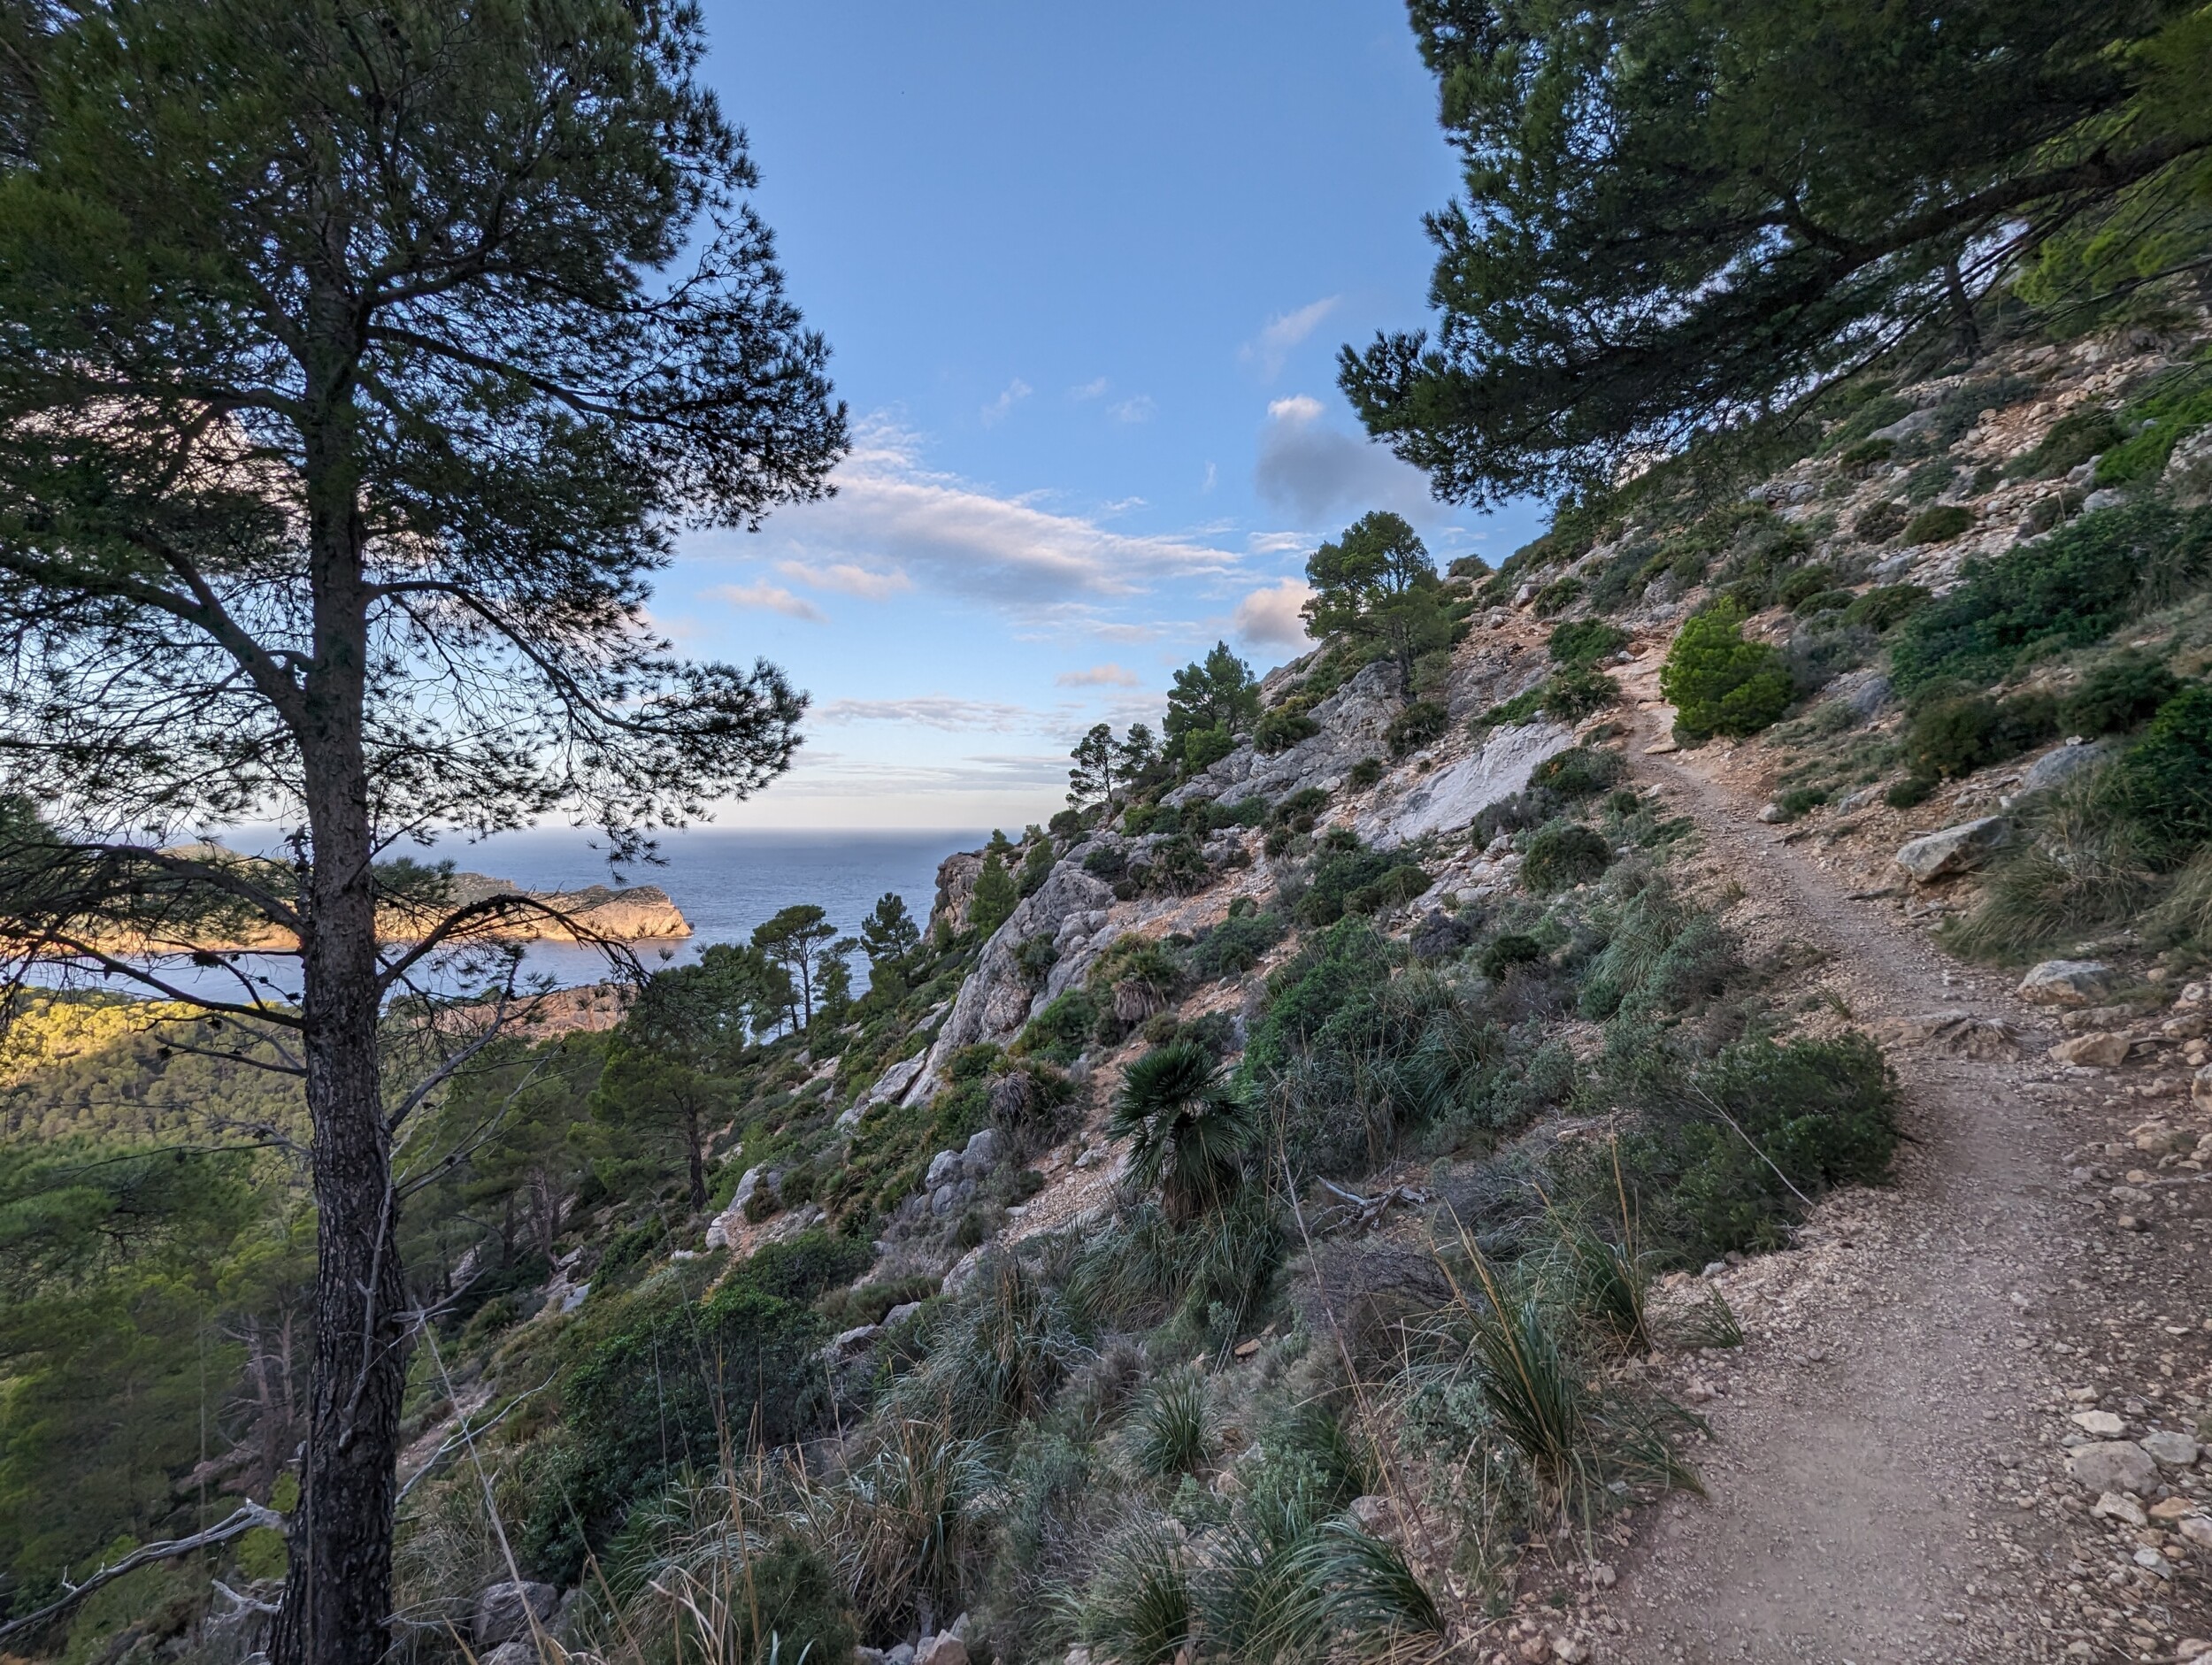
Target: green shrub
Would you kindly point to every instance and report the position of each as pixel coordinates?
(1862, 458)
(1339, 873)
(1203, 748)
(1364, 773)
(1582, 643)
(2179, 404)
(1939, 523)
(1059, 1032)
(1948, 738)
(1798, 587)
(1824, 601)
(1302, 806)
(1564, 855)
(1108, 864)
(2164, 780)
(1556, 596)
(1720, 684)
(2067, 590)
(1142, 819)
(1414, 727)
(1887, 606)
(1234, 946)
(1909, 792)
(1281, 728)
(1502, 953)
(2072, 440)
(1572, 695)
(2118, 694)
(1798, 800)
(1878, 522)
(660, 1393)
(1581, 772)
(1396, 887)
(1722, 1162)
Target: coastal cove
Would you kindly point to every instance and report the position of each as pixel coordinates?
(724, 880)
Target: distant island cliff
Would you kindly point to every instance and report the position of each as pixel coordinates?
(593, 913)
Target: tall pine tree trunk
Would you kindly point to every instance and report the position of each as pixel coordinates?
(338, 1590)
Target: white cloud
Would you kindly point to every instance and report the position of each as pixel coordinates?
(931, 711)
(1099, 676)
(1315, 472)
(847, 580)
(1015, 392)
(1271, 617)
(893, 514)
(1278, 543)
(773, 599)
(1090, 389)
(1132, 633)
(1285, 331)
(1136, 409)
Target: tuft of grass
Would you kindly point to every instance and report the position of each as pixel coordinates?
(1138, 1609)
(2183, 917)
(1174, 1430)
(2081, 867)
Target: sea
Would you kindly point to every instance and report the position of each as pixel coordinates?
(726, 880)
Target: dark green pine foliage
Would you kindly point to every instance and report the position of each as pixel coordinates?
(1677, 217)
(1376, 583)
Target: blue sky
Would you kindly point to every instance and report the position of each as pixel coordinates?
(1084, 273)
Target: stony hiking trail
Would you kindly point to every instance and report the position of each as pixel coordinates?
(1886, 1482)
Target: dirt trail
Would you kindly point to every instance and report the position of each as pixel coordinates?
(1864, 1504)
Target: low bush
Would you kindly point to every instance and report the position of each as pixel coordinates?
(1865, 458)
(2072, 440)
(2178, 404)
(1416, 726)
(1887, 606)
(1939, 523)
(1880, 522)
(1799, 587)
(1585, 642)
(2069, 590)
(1396, 887)
(2164, 780)
(1948, 738)
(2118, 694)
(1281, 728)
(1502, 953)
(1823, 601)
(1798, 800)
(1298, 810)
(1556, 596)
(1562, 856)
(1203, 748)
(1581, 772)
(1720, 684)
(1345, 873)
(1059, 1033)
(1234, 946)
(1725, 1154)
(1364, 773)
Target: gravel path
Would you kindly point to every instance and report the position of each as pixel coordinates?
(1886, 1482)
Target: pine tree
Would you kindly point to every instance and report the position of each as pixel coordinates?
(353, 392)
(994, 896)
(1677, 218)
(1377, 583)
